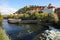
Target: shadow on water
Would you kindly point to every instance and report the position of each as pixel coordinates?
(3, 35)
(22, 31)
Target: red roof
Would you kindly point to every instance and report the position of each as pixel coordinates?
(50, 7)
(42, 8)
(38, 8)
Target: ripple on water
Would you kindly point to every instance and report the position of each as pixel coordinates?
(49, 34)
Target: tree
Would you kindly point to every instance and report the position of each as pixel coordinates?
(35, 15)
(49, 17)
(10, 16)
(1, 17)
(27, 16)
(3, 35)
(54, 17)
(44, 16)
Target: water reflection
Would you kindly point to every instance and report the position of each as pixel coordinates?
(3, 35)
(32, 27)
(30, 31)
(22, 31)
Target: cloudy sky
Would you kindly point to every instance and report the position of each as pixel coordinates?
(11, 6)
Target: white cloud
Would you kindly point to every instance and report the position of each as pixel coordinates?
(6, 9)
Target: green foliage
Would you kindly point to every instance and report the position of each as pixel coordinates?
(44, 16)
(54, 17)
(15, 16)
(10, 16)
(35, 15)
(49, 17)
(26, 16)
(3, 35)
(40, 11)
(1, 17)
(23, 10)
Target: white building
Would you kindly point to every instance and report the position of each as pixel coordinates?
(51, 10)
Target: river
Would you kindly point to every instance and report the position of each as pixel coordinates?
(30, 31)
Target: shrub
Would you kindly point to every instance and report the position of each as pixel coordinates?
(35, 15)
(1, 17)
(26, 16)
(3, 35)
(44, 16)
(49, 17)
(54, 17)
(10, 16)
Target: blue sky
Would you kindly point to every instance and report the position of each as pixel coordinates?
(10, 6)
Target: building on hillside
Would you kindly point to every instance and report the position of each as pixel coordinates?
(49, 8)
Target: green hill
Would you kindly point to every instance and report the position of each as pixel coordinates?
(27, 8)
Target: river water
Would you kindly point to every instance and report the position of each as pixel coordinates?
(30, 31)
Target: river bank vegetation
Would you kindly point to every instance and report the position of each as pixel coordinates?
(29, 13)
(45, 17)
(3, 35)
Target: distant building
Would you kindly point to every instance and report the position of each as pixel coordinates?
(49, 8)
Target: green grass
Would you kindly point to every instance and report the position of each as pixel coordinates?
(3, 35)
